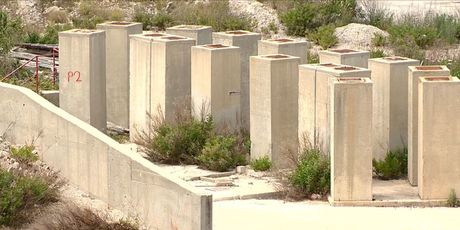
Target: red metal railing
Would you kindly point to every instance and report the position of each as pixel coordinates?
(36, 59)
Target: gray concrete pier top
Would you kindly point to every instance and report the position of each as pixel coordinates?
(202, 34)
(285, 46)
(350, 57)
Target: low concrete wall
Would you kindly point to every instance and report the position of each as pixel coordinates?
(99, 165)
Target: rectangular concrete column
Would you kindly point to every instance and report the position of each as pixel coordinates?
(82, 75)
(274, 106)
(285, 46)
(389, 75)
(247, 41)
(117, 69)
(216, 83)
(314, 99)
(415, 72)
(351, 141)
(345, 57)
(160, 81)
(438, 137)
(202, 34)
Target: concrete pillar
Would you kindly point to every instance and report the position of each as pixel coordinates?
(345, 57)
(285, 46)
(202, 34)
(274, 106)
(82, 75)
(389, 75)
(117, 69)
(247, 41)
(415, 72)
(351, 141)
(313, 99)
(216, 83)
(439, 131)
(159, 78)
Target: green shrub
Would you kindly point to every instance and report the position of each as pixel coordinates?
(218, 154)
(11, 31)
(261, 164)
(394, 166)
(324, 36)
(19, 194)
(299, 20)
(452, 201)
(379, 40)
(50, 36)
(407, 47)
(377, 16)
(377, 53)
(24, 154)
(92, 13)
(312, 174)
(313, 58)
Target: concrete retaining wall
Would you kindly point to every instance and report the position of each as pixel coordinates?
(99, 165)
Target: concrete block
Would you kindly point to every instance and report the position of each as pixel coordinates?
(274, 106)
(247, 41)
(438, 142)
(345, 57)
(390, 111)
(216, 78)
(285, 46)
(82, 75)
(117, 69)
(415, 72)
(202, 34)
(351, 141)
(51, 96)
(313, 114)
(159, 78)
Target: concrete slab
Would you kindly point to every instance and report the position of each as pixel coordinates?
(350, 57)
(390, 93)
(351, 142)
(216, 85)
(117, 69)
(82, 90)
(415, 72)
(438, 142)
(201, 34)
(247, 41)
(274, 107)
(285, 46)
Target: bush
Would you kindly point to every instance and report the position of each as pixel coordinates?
(377, 53)
(20, 194)
(374, 15)
(24, 154)
(452, 201)
(407, 47)
(379, 40)
(313, 58)
(312, 174)
(92, 13)
(304, 18)
(261, 164)
(11, 31)
(50, 36)
(324, 36)
(394, 166)
(218, 154)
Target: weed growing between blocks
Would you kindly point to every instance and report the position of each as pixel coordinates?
(393, 166)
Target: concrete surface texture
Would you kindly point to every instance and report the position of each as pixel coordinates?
(438, 141)
(351, 141)
(117, 69)
(201, 34)
(314, 99)
(82, 75)
(100, 166)
(279, 214)
(216, 79)
(350, 57)
(285, 46)
(415, 72)
(274, 107)
(51, 96)
(247, 41)
(390, 75)
(160, 78)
